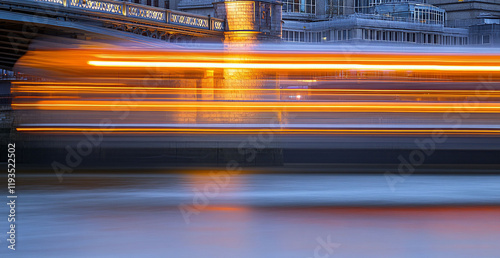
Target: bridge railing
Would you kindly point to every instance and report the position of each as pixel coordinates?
(143, 12)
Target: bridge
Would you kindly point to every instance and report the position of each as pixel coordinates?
(23, 21)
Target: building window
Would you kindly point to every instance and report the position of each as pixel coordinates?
(299, 6)
(486, 39)
(335, 8)
(428, 15)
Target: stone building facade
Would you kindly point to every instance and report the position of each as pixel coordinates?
(429, 22)
(465, 13)
(480, 17)
(358, 28)
(373, 21)
(249, 20)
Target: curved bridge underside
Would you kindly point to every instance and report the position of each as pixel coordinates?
(25, 22)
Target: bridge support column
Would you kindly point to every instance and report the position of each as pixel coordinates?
(248, 23)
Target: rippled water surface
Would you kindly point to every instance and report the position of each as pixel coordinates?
(256, 215)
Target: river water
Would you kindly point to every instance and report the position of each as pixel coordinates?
(203, 214)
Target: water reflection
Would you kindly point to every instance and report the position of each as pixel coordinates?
(258, 216)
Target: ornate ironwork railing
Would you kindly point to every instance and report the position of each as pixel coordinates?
(53, 1)
(100, 6)
(143, 12)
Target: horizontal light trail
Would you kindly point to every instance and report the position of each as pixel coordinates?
(316, 95)
(276, 126)
(63, 83)
(260, 130)
(154, 89)
(292, 66)
(420, 107)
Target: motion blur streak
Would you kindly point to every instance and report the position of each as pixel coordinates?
(300, 131)
(295, 66)
(264, 106)
(320, 119)
(261, 215)
(273, 89)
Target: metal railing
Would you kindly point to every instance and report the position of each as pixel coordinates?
(386, 18)
(142, 12)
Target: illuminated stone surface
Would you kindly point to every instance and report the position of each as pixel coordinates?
(247, 23)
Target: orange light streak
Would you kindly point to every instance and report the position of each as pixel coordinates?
(264, 106)
(293, 66)
(271, 130)
(371, 91)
